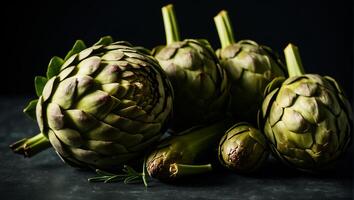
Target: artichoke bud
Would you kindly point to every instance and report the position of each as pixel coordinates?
(200, 84)
(306, 118)
(243, 148)
(249, 67)
(187, 153)
(101, 106)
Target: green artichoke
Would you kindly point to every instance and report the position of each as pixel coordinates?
(306, 118)
(101, 106)
(249, 66)
(200, 84)
(187, 153)
(243, 148)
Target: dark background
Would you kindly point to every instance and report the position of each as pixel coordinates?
(32, 32)
(36, 31)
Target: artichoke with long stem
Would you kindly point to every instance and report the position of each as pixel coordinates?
(249, 66)
(188, 153)
(100, 107)
(200, 84)
(306, 117)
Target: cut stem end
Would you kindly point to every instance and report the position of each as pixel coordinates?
(224, 28)
(293, 61)
(170, 24)
(30, 146)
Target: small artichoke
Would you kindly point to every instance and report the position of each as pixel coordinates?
(200, 84)
(101, 106)
(186, 153)
(306, 118)
(249, 66)
(243, 148)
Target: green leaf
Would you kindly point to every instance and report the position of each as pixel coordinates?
(106, 40)
(39, 83)
(30, 109)
(78, 46)
(54, 66)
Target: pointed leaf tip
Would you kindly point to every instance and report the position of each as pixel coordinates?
(30, 109)
(106, 40)
(39, 83)
(54, 66)
(78, 47)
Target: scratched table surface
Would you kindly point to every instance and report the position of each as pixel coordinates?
(46, 177)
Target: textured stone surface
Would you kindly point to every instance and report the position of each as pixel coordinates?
(46, 177)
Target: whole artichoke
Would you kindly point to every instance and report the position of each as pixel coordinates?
(101, 106)
(249, 66)
(306, 118)
(186, 153)
(200, 84)
(243, 148)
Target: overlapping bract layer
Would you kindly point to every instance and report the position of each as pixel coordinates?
(250, 67)
(107, 104)
(243, 148)
(200, 84)
(307, 120)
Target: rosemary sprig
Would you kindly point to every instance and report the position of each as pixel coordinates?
(128, 177)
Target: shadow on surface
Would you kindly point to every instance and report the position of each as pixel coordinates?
(274, 169)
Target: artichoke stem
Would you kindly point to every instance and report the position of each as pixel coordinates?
(181, 170)
(170, 24)
(293, 61)
(224, 28)
(31, 146)
(203, 136)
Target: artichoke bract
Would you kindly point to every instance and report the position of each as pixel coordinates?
(101, 106)
(306, 118)
(186, 153)
(249, 66)
(200, 84)
(243, 148)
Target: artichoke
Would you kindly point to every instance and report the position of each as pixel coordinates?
(200, 84)
(243, 148)
(187, 153)
(249, 66)
(306, 118)
(101, 106)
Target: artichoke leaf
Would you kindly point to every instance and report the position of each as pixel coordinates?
(39, 83)
(30, 109)
(78, 46)
(106, 40)
(54, 66)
